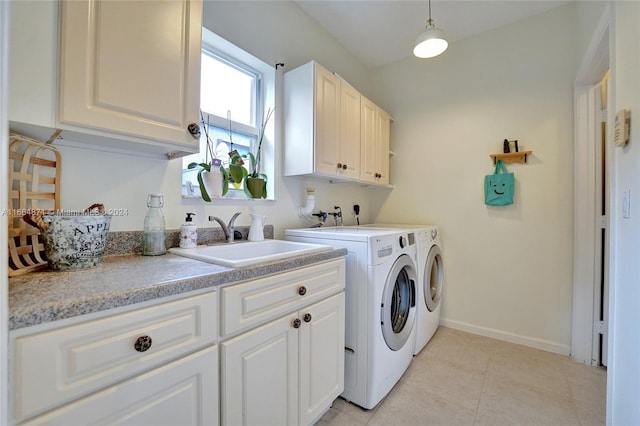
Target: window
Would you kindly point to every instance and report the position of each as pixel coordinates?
(235, 91)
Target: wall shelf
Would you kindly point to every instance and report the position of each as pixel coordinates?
(511, 157)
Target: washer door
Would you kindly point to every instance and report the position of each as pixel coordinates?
(398, 303)
(433, 278)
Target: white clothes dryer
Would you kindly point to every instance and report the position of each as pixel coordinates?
(430, 279)
(381, 306)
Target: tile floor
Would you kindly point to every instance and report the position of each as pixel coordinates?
(465, 379)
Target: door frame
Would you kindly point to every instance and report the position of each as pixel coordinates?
(4, 196)
(585, 279)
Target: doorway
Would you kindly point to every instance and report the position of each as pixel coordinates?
(591, 203)
(601, 228)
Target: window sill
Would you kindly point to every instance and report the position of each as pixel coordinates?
(229, 201)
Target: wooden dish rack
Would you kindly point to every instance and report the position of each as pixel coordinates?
(34, 184)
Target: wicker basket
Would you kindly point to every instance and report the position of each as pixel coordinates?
(34, 185)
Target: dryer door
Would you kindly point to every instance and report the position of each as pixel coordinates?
(433, 278)
(398, 307)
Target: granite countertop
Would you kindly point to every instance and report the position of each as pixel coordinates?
(41, 297)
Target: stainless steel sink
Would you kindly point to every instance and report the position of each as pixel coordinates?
(249, 253)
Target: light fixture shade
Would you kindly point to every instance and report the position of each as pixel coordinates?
(431, 42)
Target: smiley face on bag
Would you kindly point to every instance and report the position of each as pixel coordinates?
(499, 187)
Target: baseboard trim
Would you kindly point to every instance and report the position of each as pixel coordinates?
(544, 345)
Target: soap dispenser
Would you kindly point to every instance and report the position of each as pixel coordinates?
(188, 232)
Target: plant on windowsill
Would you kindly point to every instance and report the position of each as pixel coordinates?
(255, 181)
(236, 173)
(213, 178)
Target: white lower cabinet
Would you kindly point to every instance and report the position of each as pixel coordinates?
(119, 368)
(184, 392)
(321, 357)
(278, 357)
(283, 369)
(259, 375)
(287, 371)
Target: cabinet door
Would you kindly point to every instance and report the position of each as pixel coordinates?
(349, 132)
(321, 356)
(33, 77)
(259, 374)
(382, 148)
(368, 135)
(327, 121)
(184, 392)
(132, 67)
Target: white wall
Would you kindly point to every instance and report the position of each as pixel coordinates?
(623, 383)
(274, 32)
(508, 269)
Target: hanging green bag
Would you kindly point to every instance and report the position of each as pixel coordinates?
(499, 187)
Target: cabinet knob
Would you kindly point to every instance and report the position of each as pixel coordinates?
(302, 290)
(339, 165)
(296, 323)
(307, 317)
(142, 343)
(344, 167)
(194, 129)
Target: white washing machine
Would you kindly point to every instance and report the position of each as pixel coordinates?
(430, 279)
(381, 308)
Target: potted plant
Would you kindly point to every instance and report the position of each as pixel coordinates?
(236, 173)
(213, 178)
(255, 181)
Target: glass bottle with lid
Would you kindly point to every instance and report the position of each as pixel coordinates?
(153, 239)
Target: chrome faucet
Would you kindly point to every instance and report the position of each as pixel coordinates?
(227, 229)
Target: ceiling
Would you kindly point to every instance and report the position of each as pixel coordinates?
(378, 32)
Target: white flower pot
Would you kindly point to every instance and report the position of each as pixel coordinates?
(212, 183)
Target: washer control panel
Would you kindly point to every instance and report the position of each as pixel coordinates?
(393, 245)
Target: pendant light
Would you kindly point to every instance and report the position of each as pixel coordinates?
(431, 42)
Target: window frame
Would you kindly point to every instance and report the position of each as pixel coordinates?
(263, 99)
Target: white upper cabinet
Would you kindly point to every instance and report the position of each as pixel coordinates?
(369, 120)
(384, 141)
(124, 76)
(327, 121)
(375, 143)
(349, 131)
(328, 124)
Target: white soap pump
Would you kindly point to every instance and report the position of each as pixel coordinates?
(188, 233)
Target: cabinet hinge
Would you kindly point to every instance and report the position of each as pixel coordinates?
(603, 222)
(603, 115)
(600, 327)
